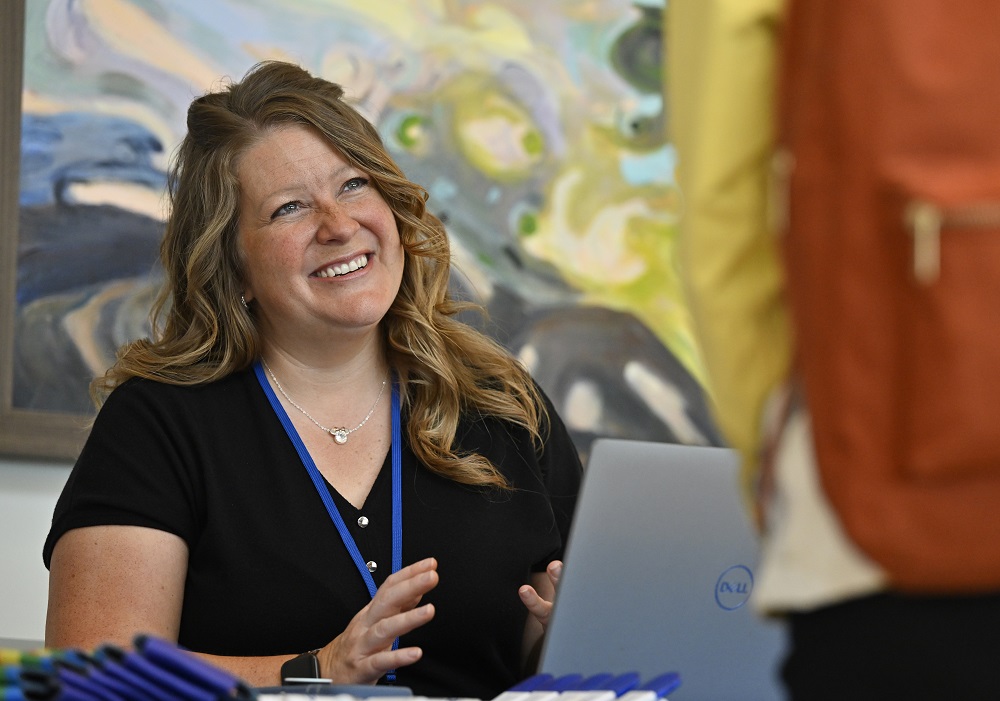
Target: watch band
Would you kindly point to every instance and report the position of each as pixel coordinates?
(301, 669)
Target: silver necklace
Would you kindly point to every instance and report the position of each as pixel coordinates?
(339, 433)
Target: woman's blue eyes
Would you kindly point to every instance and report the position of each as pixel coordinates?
(290, 207)
(355, 183)
(286, 208)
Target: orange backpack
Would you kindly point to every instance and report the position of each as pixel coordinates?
(889, 124)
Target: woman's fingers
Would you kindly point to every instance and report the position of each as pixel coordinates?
(536, 605)
(375, 666)
(403, 590)
(363, 652)
(385, 630)
(538, 597)
(554, 570)
(425, 565)
(372, 657)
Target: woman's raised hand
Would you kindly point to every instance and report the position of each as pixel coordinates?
(363, 653)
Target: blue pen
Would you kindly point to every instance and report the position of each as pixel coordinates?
(566, 682)
(100, 665)
(37, 663)
(558, 688)
(14, 673)
(80, 685)
(595, 681)
(169, 681)
(113, 663)
(622, 683)
(186, 665)
(600, 687)
(521, 690)
(101, 679)
(12, 693)
(545, 689)
(183, 689)
(531, 683)
(655, 688)
(69, 693)
(524, 688)
(34, 684)
(77, 660)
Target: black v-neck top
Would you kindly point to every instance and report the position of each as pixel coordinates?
(268, 572)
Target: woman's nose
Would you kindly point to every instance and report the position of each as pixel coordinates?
(336, 223)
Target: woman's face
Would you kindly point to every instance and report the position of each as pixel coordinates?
(321, 246)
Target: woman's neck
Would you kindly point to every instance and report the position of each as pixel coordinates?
(339, 370)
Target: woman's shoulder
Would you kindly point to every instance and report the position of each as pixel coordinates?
(488, 434)
(138, 391)
(145, 386)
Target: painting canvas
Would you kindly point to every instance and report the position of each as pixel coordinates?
(537, 126)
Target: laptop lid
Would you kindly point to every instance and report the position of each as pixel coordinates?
(658, 570)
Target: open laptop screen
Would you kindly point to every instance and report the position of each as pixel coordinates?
(658, 571)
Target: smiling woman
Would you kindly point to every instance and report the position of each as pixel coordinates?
(305, 217)
(244, 487)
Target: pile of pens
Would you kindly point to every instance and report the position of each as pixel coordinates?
(596, 687)
(154, 670)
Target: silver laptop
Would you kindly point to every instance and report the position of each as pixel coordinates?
(658, 570)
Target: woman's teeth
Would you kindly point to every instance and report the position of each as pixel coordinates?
(344, 268)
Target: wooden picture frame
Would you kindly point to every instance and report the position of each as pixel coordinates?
(22, 432)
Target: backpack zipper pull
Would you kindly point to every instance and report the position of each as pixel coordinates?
(924, 220)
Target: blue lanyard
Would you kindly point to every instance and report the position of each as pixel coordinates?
(324, 491)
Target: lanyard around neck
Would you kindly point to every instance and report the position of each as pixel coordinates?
(324, 492)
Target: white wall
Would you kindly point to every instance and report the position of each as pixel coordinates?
(28, 493)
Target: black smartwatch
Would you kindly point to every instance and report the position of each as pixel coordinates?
(302, 669)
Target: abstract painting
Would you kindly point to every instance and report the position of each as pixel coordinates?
(537, 126)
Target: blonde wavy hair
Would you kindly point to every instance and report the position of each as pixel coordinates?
(202, 332)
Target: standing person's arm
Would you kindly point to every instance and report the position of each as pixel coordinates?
(721, 81)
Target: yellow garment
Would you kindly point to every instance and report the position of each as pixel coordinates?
(721, 61)
(720, 67)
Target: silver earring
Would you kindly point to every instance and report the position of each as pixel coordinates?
(244, 302)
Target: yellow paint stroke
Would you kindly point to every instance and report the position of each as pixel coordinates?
(132, 32)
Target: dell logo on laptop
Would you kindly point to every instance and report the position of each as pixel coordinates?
(733, 588)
